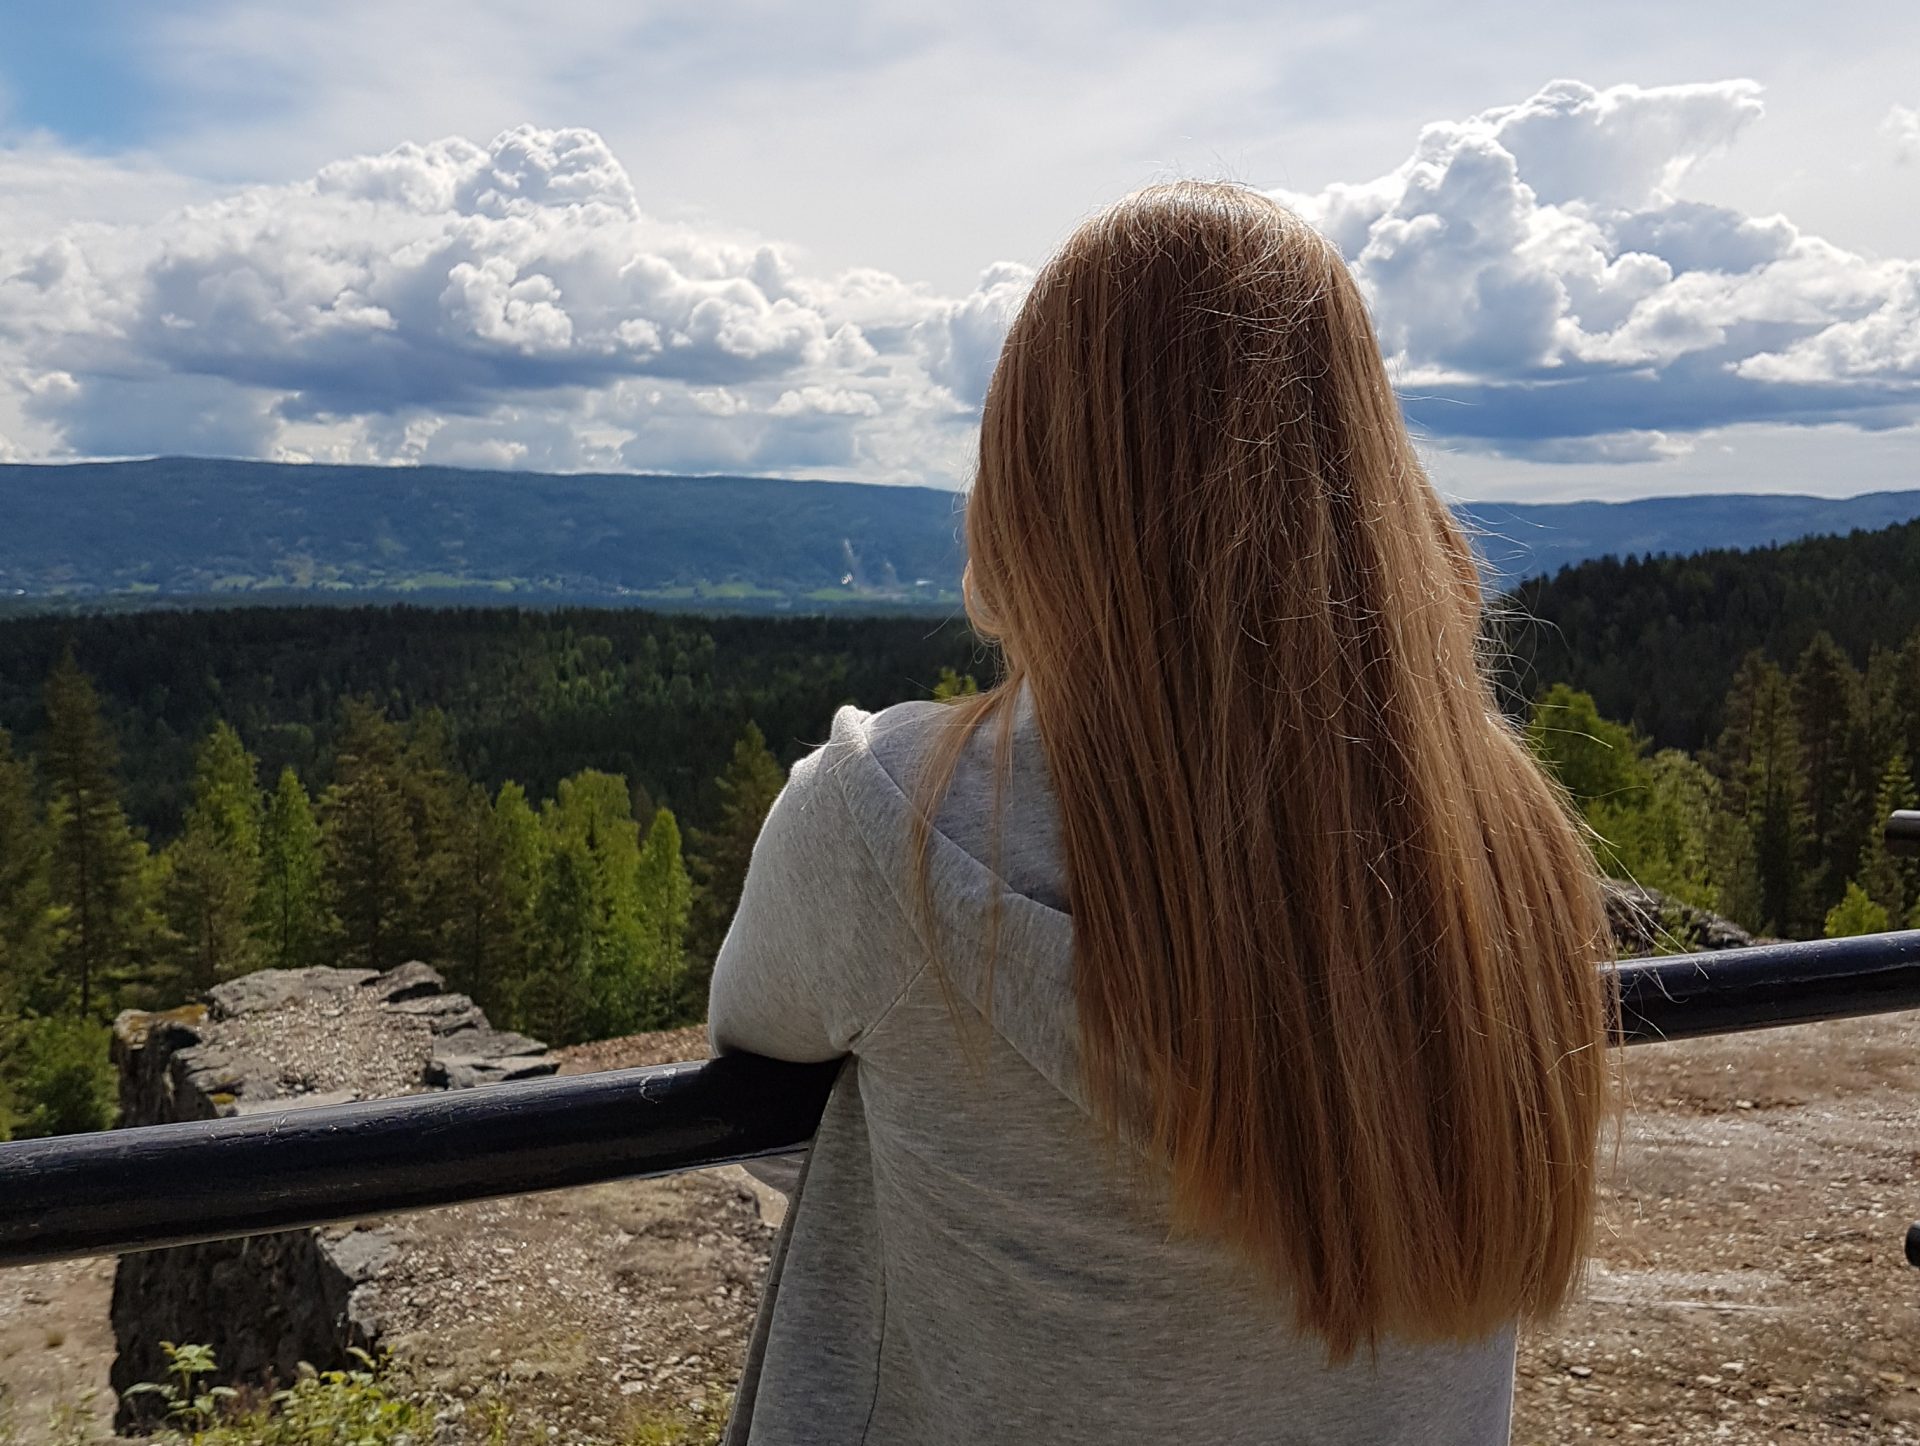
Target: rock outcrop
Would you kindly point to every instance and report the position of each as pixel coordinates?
(282, 1039)
(1646, 921)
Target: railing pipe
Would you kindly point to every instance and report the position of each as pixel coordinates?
(159, 1185)
(177, 1184)
(1903, 831)
(1725, 991)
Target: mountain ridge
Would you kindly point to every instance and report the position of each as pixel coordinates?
(190, 529)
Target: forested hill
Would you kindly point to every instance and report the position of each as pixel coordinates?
(191, 527)
(188, 528)
(529, 696)
(1657, 641)
(1527, 539)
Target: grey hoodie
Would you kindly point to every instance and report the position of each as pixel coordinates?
(962, 1263)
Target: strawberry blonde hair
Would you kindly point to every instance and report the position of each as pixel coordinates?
(1336, 934)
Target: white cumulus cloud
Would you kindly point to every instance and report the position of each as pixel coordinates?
(1543, 284)
(510, 285)
(1543, 289)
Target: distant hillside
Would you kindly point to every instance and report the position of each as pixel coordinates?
(1525, 539)
(191, 527)
(186, 528)
(1657, 641)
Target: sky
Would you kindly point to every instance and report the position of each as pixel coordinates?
(1612, 251)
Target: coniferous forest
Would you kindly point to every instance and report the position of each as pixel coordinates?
(556, 808)
(553, 808)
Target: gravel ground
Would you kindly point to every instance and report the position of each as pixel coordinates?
(586, 1309)
(348, 1044)
(55, 1346)
(669, 1046)
(1749, 1285)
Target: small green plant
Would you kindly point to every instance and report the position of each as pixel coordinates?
(71, 1423)
(1856, 914)
(189, 1409)
(322, 1408)
(339, 1408)
(67, 1422)
(704, 1425)
(954, 685)
(499, 1421)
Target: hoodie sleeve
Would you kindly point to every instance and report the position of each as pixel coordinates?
(814, 955)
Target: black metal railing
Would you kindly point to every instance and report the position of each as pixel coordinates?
(158, 1185)
(1903, 830)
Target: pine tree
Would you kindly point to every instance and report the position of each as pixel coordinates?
(753, 779)
(1904, 693)
(215, 865)
(26, 886)
(666, 899)
(97, 860)
(369, 852)
(290, 916)
(1734, 869)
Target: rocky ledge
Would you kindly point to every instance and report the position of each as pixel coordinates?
(279, 1039)
(1646, 921)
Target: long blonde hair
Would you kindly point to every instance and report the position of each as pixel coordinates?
(1336, 935)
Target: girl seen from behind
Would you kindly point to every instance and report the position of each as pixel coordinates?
(1220, 988)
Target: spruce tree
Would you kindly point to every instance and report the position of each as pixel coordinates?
(215, 866)
(370, 856)
(435, 793)
(592, 813)
(1828, 711)
(1891, 881)
(666, 899)
(556, 1000)
(480, 942)
(1854, 915)
(523, 861)
(1598, 760)
(26, 886)
(1758, 758)
(748, 787)
(290, 917)
(96, 859)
